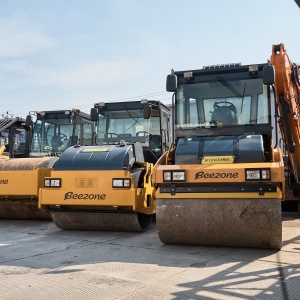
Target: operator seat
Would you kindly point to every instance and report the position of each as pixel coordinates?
(225, 114)
(155, 144)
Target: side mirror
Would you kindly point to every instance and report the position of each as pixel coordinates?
(171, 85)
(269, 75)
(94, 114)
(28, 121)
(147, 111)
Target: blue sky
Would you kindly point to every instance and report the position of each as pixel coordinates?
(60, 54)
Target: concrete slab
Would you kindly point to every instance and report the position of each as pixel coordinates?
(40, 261)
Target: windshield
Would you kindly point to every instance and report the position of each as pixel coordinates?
(18, 144)
(129, 125)
(3, 138)
(222, 103)
(53, 136)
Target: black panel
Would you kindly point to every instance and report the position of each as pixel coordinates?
(244, 148)
(259, 188)
(108, 157)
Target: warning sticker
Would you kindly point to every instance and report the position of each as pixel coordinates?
(96, 150)
(217, 160)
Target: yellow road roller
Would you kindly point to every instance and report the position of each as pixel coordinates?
(108, 186)
(222, 181)
(21, 178)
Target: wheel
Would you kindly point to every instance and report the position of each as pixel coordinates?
(143, 133)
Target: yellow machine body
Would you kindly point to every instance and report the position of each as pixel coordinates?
(23, 184)
(215, 174)
(94, 189)
(21, 179)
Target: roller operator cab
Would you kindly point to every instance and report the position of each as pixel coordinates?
(108, 186)
(55, 131)
(21, 178)
(15, 136)
(221, 182)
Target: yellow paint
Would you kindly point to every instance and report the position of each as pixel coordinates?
(17, 184)
(93, 188)
(3, 156)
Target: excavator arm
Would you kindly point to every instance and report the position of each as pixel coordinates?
(287, 93)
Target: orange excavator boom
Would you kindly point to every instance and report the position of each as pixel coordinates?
(287, 94)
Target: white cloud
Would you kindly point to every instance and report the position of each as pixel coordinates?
(89, 74)
(92, 75)
(19, 38)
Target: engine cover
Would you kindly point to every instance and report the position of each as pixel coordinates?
(244, 149)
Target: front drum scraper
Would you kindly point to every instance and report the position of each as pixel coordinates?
(252, 223)
(105, 221)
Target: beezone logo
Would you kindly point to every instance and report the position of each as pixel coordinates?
(71, 195)
(216, 175)
(3, 181)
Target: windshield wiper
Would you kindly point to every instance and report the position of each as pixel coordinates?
(135, 119)
(234, 91)
(243, 98)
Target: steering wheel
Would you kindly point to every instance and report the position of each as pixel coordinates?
(143, 133)
(228, 104)
(63, 136)
(111, 134)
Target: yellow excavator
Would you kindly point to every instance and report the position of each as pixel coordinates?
(21, 177)
(108, 186)
(223, 179)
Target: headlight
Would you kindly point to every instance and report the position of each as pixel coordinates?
(117, 182)
(121, 183)
(265, 175)
(127, 183)
(258, 174)
(253, 175)
(178, 176)
(167, 176)
(173, 176)
(52, 182)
